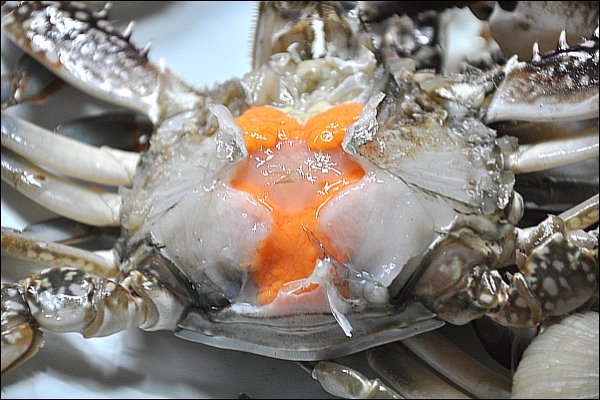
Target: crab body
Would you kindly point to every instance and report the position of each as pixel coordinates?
(296, 212)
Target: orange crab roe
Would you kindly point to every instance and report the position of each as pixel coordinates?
(293, 170)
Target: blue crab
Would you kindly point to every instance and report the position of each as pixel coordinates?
(348, 288)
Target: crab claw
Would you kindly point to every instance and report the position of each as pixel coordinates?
(21, 337)
(70, 300)
(557, 262)
(560, 85)
(559, 267)
(80, 46)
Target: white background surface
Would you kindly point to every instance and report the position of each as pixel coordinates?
(203, 43)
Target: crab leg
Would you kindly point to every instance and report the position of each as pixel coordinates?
(559, 86)
(457, 366)
(121, 130)
(17, 244)
(554, 153)
(70, 300)
(82, 47)
(63, 300)
(100, 165)
(581, 216)
(558, 272)
(558, 189)
(348, 383)
(408, 374)
(88, 205)
(68, 232)
(20, 339)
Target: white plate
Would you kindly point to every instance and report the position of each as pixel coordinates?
(203, 43)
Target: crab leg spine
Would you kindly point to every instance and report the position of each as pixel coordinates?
(100, 165)
(88, 205)
(558, 86)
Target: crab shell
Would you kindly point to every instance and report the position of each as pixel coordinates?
(173, 215)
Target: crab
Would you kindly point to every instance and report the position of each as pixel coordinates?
(360, 290)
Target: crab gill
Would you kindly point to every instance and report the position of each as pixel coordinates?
(293, 170)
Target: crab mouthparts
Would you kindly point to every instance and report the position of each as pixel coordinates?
(294, 171)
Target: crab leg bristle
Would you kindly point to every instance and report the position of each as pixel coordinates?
(100, 165)
(88, 205)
